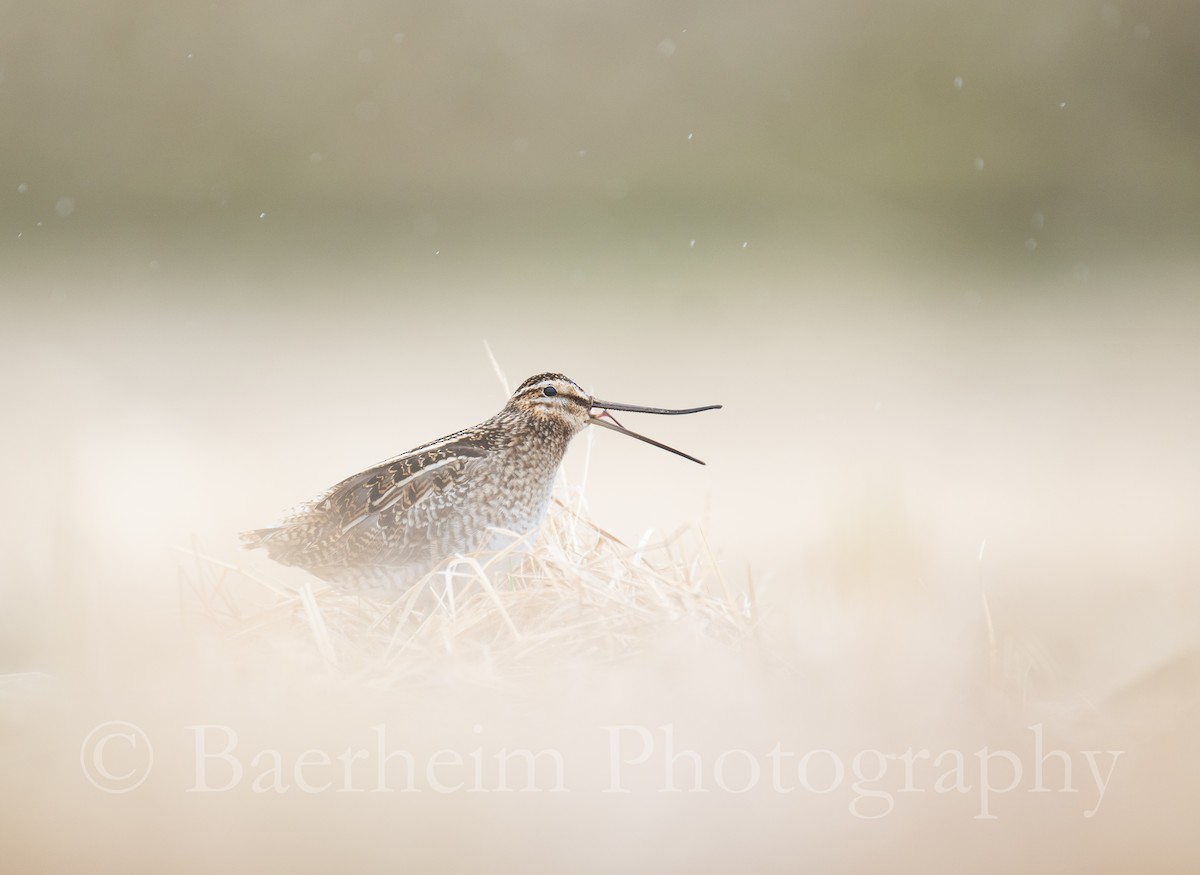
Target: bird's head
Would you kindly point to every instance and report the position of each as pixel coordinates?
(553, 399)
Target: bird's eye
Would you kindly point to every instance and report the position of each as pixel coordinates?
(549, 391)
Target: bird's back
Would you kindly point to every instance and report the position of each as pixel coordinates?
(395, 521)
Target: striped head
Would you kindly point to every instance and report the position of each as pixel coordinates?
(552, 399)
(555, 402)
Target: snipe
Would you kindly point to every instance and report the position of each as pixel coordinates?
(394, 522)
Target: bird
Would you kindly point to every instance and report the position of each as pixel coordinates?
(473, 490)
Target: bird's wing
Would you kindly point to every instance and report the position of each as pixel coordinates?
(383, 515)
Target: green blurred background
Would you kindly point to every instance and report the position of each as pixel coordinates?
(568, 142)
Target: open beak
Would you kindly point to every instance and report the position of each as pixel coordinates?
(604, 420)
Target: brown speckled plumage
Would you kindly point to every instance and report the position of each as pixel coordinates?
(472, 490)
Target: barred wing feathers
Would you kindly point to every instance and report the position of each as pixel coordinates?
(393, 514)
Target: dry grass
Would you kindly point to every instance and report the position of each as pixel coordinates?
(571, 592)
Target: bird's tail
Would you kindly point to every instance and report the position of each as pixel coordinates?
(259, 537)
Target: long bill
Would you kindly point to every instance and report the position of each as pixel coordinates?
(613, 425)
(603, 423)
(633, 408)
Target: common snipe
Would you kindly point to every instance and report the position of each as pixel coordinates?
(394, 522)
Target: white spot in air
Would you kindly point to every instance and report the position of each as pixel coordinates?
(1062, 105)
(1038, 221)
(878, 405)
(65, 206)
(745, 243)
(982, 547)
(262, 215)
(315, 157)
(690, 136)
(958, 82)
(666, 48)
(691, 244)
(979, 164)
(437, 252)
(1031, 244)
(190, 56)
(22, 188)
(398, 37)
(582, 153)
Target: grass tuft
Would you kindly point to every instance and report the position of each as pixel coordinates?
(570, 592)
